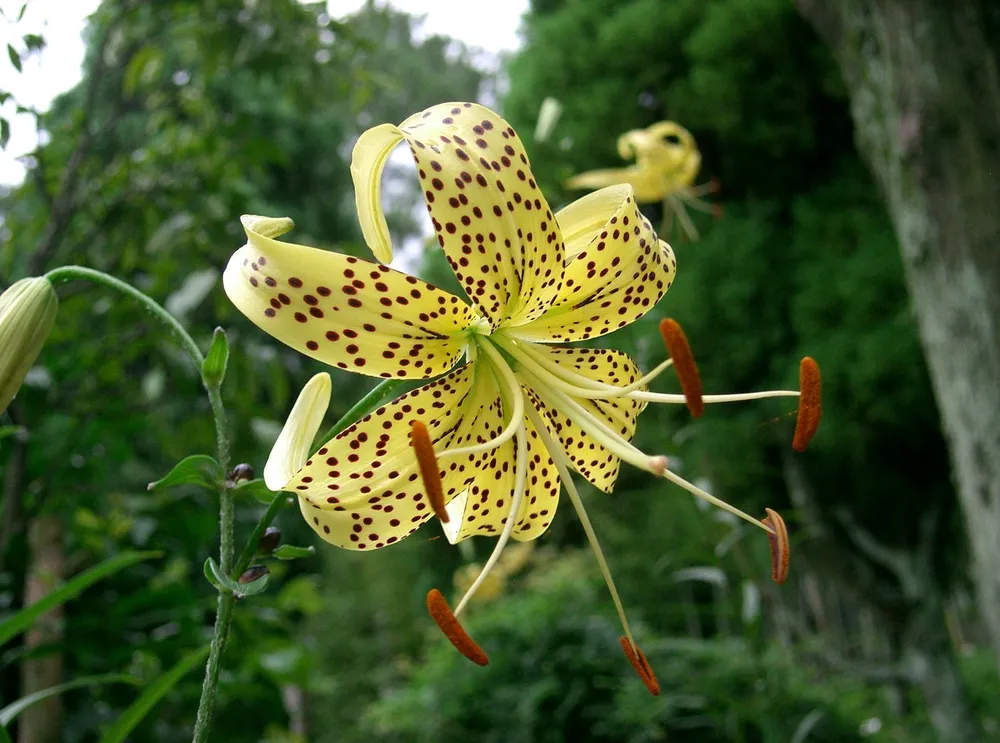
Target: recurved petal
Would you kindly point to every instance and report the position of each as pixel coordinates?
(591, 460)
(291, 449)
(367, 162)
(491, 218)
(344, 311)
(619, 270)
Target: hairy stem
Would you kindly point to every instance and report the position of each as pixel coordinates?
(68, 273)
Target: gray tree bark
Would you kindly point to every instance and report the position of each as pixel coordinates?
(925, 99)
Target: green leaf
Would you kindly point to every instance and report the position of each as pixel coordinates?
(6, 431)
(15, 58)
(291, 552)
(20, 14)
(150, 697)
(5, 736)
(22, 620)
(34, 42)
(12, 710)
(213, 369)
(254, 587)
(198, 469)
(255, 489)
(219, 579)
(4, 133)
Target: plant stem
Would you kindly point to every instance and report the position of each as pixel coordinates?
(279, 501)
(68, 273)
(224, 612)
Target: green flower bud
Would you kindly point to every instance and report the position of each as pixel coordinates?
(27, 310)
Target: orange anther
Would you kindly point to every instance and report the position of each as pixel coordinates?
(443, 616)
(429, 471)
(641, 666)
(779, 546)
(687, 370)
(810, 404)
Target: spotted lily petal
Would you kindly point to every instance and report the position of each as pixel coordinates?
(490, 217)
(291, 449)
(614, 279)
(345, 311)
(590, 459)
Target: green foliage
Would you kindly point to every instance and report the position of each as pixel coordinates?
(22, 620)
(557, 673)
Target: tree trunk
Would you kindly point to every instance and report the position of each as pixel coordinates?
(42, 722)
(925, 98)
(910, 601)
(928, 658)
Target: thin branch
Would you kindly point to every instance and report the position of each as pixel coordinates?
(64, 202)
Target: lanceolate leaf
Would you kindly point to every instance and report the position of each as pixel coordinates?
(23, 619)
(12, 710)
(198, 469)
(138, 710)
(291, 552)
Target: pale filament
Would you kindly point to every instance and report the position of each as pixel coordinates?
(595, 390)
(517, 412)
(561, 466)
(520, 477)
(557, 376)
(627, 452)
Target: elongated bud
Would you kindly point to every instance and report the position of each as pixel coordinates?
(429, 472)
(252, 573)
(810, 404)
(27, 310)
(641, 666)
(446, 620)
(687, 370)
(780, 549)
(269, 540)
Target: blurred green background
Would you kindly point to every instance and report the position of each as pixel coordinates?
(193, 112)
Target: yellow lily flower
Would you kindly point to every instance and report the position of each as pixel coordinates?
(667, 161)
(28, 309)
(486, 445)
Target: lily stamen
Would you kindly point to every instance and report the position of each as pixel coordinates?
(687, 371)
(517, 410)
(780, 549)
(429, 472)
(627, 452)
(446, 621)
(642, 668)
(562, 468)
(810, 404)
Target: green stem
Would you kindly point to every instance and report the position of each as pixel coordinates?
(224, 612)
(209, 687)
(68, 273)
(279, 501)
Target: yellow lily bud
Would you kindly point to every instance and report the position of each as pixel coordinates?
(27, 310)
